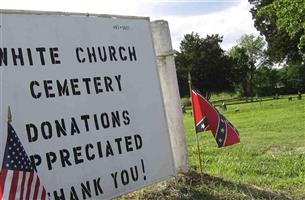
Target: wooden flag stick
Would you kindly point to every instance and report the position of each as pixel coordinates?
(197, 138)
(9, 115)
(199, 157)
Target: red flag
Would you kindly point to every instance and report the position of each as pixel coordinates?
(207, 117)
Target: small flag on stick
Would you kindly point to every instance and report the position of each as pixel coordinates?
(18, 178)
(207, 117)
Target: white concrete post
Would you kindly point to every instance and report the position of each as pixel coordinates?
(169, 84)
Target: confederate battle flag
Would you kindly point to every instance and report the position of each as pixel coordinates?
(207, 117)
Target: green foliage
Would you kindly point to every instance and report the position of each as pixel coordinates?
(292, 78)
(248, 55)
(291, 19)
(242, 66)
(256, 77)
(210, 69)
(254, 47)
(282, 24)
(266, 81)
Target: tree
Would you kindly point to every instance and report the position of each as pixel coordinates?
(292, 78)
(282, 22)
(266, 81)
(249, 55)
(291, 19)
(242, 67)
(203, 58)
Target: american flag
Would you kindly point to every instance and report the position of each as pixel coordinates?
(207, 117)
(18, 178)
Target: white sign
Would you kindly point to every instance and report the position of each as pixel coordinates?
(85, 101)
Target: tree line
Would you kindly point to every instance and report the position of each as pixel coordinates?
(270, 64)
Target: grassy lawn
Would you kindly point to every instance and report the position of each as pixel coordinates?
(272, 150)
(269, 163)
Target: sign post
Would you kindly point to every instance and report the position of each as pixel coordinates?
(169, 85)
(86, 99)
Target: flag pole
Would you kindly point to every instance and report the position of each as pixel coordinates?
(9, 115)
(197, 138)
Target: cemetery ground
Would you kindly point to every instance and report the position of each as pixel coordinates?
(269, 163)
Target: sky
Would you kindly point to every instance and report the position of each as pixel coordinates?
(228, 18)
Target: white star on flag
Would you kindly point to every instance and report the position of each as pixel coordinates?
(18, 178)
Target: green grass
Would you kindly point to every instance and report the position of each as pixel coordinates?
(269, 163)
(272, 150)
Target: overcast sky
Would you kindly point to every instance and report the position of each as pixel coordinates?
(229, 18)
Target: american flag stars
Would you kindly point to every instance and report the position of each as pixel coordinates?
(18, 179)
(15, 157)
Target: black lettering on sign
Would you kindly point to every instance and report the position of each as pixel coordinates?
(24, 56)
(51, 158)
(91, 54)
(80, 58)
(77, 155)
(46, 130)
(41, 51)
(128, 143)
(85, 119)
(35, 160)
(127, 176)
(102, 54)
(62, 88)
(54, 55)
(73, 194)
(84, 190)
(103, 57)
(48, 87)
(60, 196)
(32, 132)
(74, 127)
(60, 128)
(87, 81)
(65, 127)
(64, 157)
(17, 57)
(3, 56)
(34, 93)
(112, 53)
(89, 155)
(29, 52)
(75, 86)
(118, 141)
(109, 151)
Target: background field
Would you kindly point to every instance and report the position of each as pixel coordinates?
(269, 163)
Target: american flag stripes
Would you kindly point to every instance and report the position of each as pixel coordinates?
(18, 178)
(207, 117)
